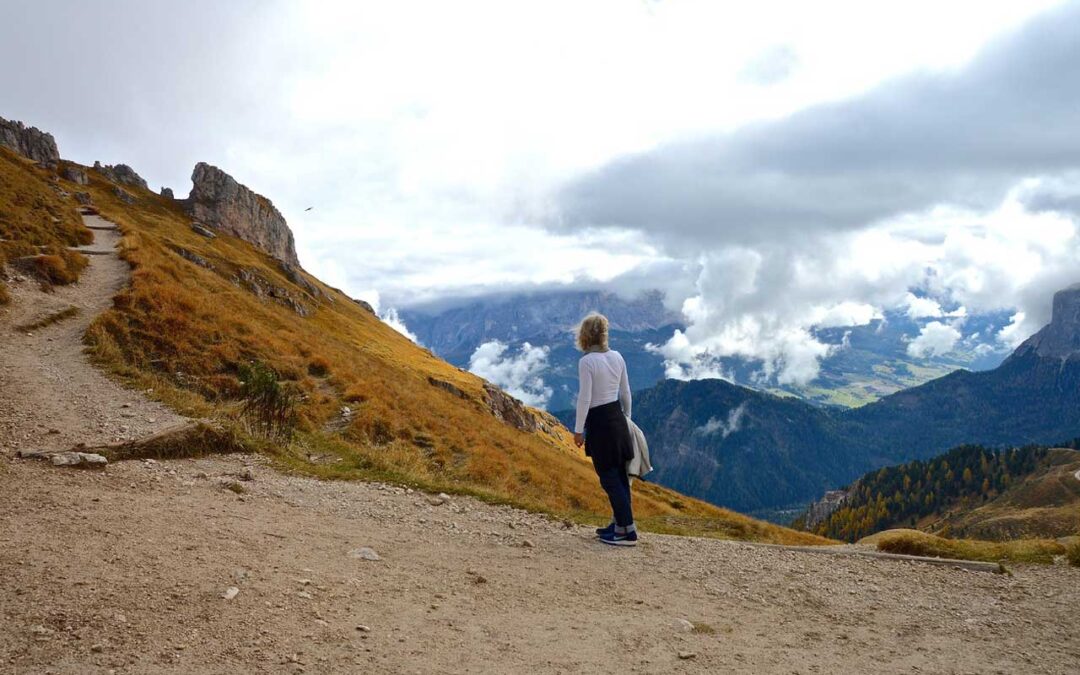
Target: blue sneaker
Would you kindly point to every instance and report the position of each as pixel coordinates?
(608, 529)
(615, 539)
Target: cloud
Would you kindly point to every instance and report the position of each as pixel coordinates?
(390, 318)
(724, 427)
(935, 339)
(941, 187)
(918, 308)
(519, 375)
(771, 66)
(962, 138)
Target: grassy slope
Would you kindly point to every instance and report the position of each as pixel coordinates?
(36, 221)
(914, 542)
(1044, 504)
(183, 330)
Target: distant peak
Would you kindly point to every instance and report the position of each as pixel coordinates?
(1061, 337)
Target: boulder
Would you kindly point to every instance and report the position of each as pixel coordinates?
(75, 175)
(123, 195)
(167, 193)
(199, 229)
(218, 200)
(81, 460)
(508, 409)
(83, 198)
(122, 174)
(29, 142)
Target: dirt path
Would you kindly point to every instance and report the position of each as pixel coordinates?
(124, 570)
(52, 397)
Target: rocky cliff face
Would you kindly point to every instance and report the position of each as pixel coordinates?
(29, 142)
(218, 201)
(1059, 339)
(121, 173)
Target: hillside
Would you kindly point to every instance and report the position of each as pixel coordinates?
(205, 313)
(971, 492)
(752, 451)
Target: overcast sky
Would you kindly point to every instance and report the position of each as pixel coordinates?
(772, 166)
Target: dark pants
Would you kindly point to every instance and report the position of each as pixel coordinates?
(617, 486)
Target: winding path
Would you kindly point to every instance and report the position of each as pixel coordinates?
(53, 398)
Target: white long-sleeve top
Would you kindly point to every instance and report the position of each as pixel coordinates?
(601, 379)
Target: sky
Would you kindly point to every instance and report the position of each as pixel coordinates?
(771, 166)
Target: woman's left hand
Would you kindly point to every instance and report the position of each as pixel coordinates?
(579, 440)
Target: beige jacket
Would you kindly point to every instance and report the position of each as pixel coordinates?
(639, 465)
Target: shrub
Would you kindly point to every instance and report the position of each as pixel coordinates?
(60, 269)
(268, 404)
(1072, 554)
(912, 542)
(318, 367)
(4, 297)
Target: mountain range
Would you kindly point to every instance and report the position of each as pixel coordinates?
(750, 450)
(866, 362)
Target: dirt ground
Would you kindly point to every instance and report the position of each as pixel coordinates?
(186, 567)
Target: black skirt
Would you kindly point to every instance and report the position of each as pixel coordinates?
(607, 437)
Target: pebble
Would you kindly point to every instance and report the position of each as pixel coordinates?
(682, 625)
(687, 655)
(364, 553)
(230, 593)
(527, 543)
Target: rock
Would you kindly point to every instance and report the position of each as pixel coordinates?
(363, 629)
(687, 655)
(197, 228)
(88, 460)
(527, 543)
(364, 553)
(247, 474)
(75, 175)
(29, 142)
(218, 200)
(437, 500)
(83, 198)
(98, 648)
(230, 593)
(682, 625)
(446, 386)
(305, 595)
(1060, 338)
(122, 174)
(123, 195)
(366, 305)
(167, 193)
(508, 409)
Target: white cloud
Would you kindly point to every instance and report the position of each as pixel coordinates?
(934, 339)
(725, 427)
(520, 375)
(390, 318)
(919, 308)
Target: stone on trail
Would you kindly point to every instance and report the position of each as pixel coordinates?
(687, 655)
(230, 593)
(364, 553)
(682, 625)
(79, 459)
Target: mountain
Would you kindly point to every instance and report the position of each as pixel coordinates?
(548, 320)
(867, 362)
(749, 450)
(216, 322)
(969, 492)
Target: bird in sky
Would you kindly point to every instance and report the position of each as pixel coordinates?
(309, 208)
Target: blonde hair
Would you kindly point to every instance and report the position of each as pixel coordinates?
(593, 332)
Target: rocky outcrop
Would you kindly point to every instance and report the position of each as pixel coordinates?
(823, 508)
(1059, 339)
(123, 195)
(29, 142)
(218, 201)
(508, 409)
(75, 175)
(167, 193)
(122, 174)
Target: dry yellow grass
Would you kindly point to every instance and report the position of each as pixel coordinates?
(37, 223)
(914, 542)
(192, 318)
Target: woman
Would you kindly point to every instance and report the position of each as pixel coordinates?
(603, 406)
